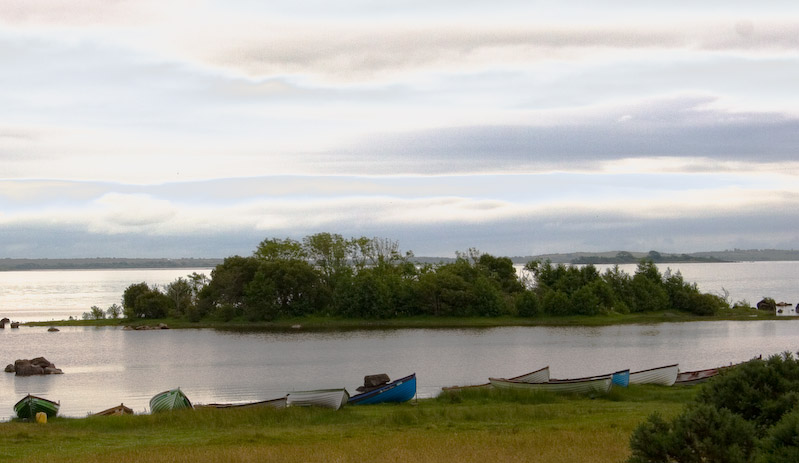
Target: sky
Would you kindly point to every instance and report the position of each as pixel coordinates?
(142, 128)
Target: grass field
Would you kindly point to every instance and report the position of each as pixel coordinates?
(471, 426)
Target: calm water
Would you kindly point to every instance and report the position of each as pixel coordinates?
(106, 366)
(59, 294)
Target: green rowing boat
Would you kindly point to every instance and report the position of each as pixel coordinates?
(30, 405)
(170, 400)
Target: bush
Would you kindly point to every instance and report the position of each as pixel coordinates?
(701, 433)
(781, 445)
(760, 391)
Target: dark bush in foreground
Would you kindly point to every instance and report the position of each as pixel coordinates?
(759, 399)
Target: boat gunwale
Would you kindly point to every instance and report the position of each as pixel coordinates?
(657, 368)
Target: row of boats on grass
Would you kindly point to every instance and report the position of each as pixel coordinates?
(540, 380)
(377, 389)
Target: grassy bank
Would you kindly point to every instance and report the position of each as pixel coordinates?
(332, 323)
(479, 426)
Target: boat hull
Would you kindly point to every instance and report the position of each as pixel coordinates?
(538, 376)
(327, 398)
(30, 405)
(688, 378)
(398, 391)
(171, 400)
(600, 385)
(120, 409)
(621, 378)
(273, 403)
(664, 376)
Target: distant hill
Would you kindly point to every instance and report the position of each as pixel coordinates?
(8, 264)
(622, 257)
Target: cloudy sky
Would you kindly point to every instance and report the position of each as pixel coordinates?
(138, 128)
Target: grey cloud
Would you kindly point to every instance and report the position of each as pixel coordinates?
(660, 133)
(553, 232)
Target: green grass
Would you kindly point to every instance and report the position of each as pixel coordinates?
(322, 323)
(467, 426)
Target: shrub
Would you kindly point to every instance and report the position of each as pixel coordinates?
(701, 433)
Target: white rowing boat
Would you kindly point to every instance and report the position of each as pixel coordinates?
(597, 384)
(328, 398)
(665, 376)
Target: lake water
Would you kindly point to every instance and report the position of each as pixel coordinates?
(105, 366)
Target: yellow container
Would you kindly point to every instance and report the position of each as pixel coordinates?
(41, 417)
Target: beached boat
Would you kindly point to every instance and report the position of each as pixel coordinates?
(621, 378)
(120, 409)
(30, 405)
(687, 378)
(400, 390)
(664, 376)
(274, 403)
(537, 376)
(596, 384)
(328, 398)
(166, 401)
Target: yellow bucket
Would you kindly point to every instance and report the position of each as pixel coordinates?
(41, 417)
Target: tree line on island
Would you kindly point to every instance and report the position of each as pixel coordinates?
(369, 278)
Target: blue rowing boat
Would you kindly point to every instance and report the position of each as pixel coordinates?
(400, 390)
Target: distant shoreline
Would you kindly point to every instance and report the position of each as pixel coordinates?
(598, 258)
(104, 263)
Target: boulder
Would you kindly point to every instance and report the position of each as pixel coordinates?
(26, 368)
(37, 366)
(53, 329)
(42, 362)
(767, 304)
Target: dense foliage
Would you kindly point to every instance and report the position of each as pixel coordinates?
(326, 274)
(748, 413)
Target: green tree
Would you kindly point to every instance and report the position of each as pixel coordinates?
(180, 294)
(226, 290)
(272, 249)
(113, 311)
(95, 313)
(283, 288)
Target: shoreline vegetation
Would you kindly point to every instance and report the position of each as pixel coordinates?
(328, 282)
(312, 323)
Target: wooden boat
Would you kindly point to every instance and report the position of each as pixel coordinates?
(687, 378)
(400, 390)
(173, 399)
(328, 398)
(274, 403)
(537, 376)
(665, 376)
(596, 384)
(120, 409)
(30, 405)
